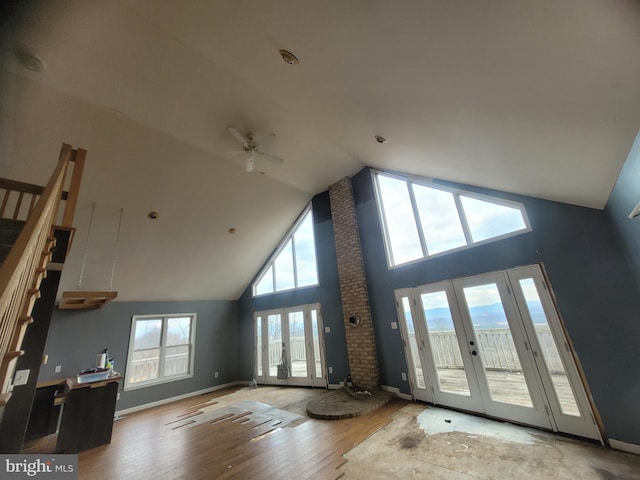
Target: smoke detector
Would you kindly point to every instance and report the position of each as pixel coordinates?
(289, 57)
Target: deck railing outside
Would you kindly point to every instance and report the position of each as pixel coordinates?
(495, 346)
(496, 349)
(148, 368)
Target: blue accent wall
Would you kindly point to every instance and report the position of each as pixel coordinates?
(77, 336)
(624, 197)
(584, 258)
(327, 293)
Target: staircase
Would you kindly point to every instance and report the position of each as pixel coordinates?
(9, 231)
(28, 214)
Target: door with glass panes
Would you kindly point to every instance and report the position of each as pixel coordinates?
(290, 337)
(494, 344)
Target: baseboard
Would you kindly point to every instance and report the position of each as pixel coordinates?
(396, 391)
(144, 406)
(335, 386)
(626, 447)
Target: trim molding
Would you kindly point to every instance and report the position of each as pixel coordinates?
(395, 390)
(144, 406)
(627, 447)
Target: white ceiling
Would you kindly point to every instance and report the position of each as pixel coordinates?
(540, 98)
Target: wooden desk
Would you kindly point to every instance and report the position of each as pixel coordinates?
(87, 415)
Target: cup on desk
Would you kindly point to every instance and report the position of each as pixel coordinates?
(101, 360)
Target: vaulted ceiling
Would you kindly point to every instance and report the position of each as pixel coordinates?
(540, 98)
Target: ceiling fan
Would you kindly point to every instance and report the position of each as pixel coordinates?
(251, 148)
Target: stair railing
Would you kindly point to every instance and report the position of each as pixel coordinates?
(26, 264)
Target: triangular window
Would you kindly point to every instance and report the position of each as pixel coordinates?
(421, 220)
(294, 263)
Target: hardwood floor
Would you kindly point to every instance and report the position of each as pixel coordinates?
(235, 433)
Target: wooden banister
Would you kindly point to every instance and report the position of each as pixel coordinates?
(22, 268)
(10, 189)
(78, 158)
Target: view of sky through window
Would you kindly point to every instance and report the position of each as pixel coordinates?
(294, 266)
(420, 220)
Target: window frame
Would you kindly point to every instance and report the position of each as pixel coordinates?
(457, 193)
(270, 263)
(164, 317)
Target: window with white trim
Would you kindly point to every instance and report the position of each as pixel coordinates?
(294, 263)
(161, 349)
(422, 220)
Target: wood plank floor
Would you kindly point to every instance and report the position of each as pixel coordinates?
(235, 433)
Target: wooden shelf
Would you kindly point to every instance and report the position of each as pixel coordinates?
(85, 300)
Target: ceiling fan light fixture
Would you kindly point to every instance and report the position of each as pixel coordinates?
(250, 164)
(380, 139)
(289, 57)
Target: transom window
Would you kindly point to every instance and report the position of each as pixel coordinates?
(420, 221)
(294, 263)
(160, 349)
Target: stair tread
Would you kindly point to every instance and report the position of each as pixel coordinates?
(11, 224)
(9, 231)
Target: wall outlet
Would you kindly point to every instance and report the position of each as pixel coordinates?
(21, 378)
(118, 396)
(394, 325)
(404, 376)
(58, 369)
(215, 375)
(330, 369)
(327, 329)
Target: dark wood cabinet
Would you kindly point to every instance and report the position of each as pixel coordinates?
(87, 416)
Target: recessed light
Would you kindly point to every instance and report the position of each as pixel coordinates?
(380, 139)
(232, 231)
(288, 57)
(153, 215)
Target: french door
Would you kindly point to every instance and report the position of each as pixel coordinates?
(292, 339)
(493, 344)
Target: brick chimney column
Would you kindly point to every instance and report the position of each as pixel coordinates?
(361, 346)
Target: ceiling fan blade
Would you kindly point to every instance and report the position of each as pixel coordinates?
(235, 152)
(267, 139)
(271, 158)
(235, 134)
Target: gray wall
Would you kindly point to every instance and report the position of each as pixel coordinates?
(76, 337)
(327, 294)
(624, 197)
(596, 294)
